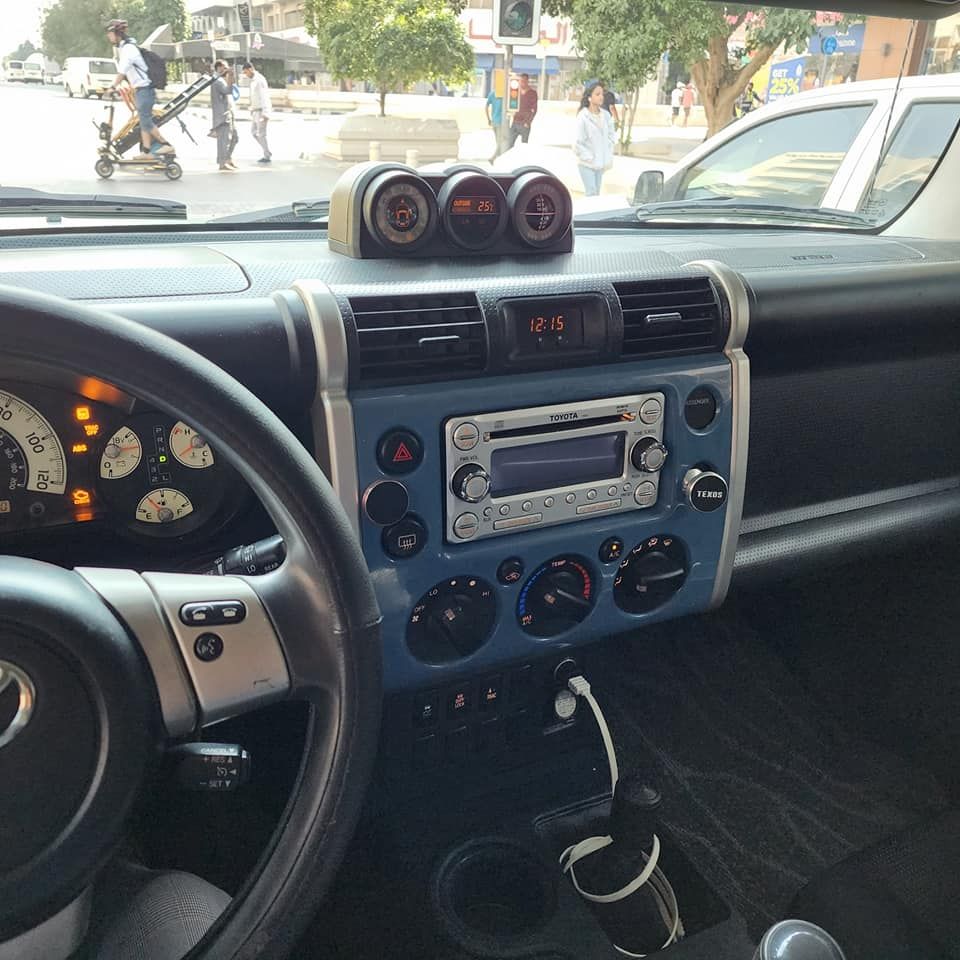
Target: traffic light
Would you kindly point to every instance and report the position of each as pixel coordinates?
(516, 22)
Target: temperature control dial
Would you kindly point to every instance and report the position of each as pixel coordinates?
(651, 574)
(557, 596)
(452, 620)
(471, 483)
(648, 455)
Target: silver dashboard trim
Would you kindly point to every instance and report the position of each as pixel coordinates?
(332, 413)
(736, 293)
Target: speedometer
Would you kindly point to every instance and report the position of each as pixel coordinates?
(31, 455)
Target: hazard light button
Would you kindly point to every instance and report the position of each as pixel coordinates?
(399, 451)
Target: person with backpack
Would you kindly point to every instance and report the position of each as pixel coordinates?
(146, 73)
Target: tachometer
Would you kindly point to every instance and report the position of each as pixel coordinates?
(164, 505)
(189, 447)
(31, 455)
(121, 455)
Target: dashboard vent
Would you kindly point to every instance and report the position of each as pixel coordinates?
(664, 317)
(438, 336)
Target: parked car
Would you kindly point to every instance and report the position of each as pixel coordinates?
(24, 71)
(88, 76)
(823, 148)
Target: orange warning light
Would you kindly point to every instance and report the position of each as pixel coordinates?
(83, 515)
(81, 413)
(81, 497)
(79, 448)
(91, 429)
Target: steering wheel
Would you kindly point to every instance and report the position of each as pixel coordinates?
(109, 672)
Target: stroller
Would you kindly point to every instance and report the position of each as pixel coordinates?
(114, 146)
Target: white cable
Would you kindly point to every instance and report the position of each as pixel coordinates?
(652, 876)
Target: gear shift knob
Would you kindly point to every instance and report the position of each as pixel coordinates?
(797, 940)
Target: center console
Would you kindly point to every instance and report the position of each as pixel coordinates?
(529, 470)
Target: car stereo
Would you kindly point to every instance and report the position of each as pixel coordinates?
(515, 470)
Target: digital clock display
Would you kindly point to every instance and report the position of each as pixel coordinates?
(552, 328)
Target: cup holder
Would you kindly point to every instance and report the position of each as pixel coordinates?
(494, 894)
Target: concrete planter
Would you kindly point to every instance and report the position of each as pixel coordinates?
(348, 137)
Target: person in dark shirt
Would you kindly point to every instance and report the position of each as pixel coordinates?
(526, 111)
(610, 105)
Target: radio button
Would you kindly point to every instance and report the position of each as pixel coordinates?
(612, 491)
(591, 494)
(570, 497)
(466, 525)
(471, 483)
(510, 571)
(466, 436)
(548, 502)
(648, 455)
(504, 509)
(526, 506)
(598, 507)
(526, 521)
(650, 411)
(646, 494)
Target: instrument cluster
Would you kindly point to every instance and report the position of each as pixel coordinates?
(69, 459)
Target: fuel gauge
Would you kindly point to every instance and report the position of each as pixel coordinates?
(164, 505)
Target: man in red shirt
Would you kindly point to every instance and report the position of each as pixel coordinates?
(526, 111)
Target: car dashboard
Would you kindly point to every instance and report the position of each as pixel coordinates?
(536, 452)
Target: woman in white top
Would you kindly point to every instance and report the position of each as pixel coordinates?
(595, 136)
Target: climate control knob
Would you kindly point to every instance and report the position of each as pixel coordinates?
(471, 483)
(705, 490)
(648, 455)
(651, 574)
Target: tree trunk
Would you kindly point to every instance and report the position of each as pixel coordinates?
(629, 112)
(719, 86)
(383, 102)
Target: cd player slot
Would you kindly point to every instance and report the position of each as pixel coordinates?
(559, 427)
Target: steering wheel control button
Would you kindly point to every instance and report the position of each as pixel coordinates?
(611, 549)
(510, 571)
(646, 494)
(466, 436)
(705, 490)
(404, 539)
(426, 708)
(214, 767)
(466, 525)
(648, 455)
(399, 451)
(197, 614)
(385, 502)
(471, 483)
(650, 411)
(216, 613)
(208, 647)
(700, 408)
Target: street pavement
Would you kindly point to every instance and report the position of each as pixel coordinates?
(52, 145)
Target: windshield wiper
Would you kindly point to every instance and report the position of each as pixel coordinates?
(296, 212)
(735, 207)
(24, 201)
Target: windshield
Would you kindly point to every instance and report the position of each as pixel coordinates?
(810, 111)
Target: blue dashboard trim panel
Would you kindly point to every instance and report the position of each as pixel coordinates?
(423, 409)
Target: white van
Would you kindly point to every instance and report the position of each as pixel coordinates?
(14, 71)
(88, 76)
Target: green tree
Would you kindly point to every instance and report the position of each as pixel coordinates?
(611, 32)
(390, 43)
(74, 28)
(23, 51)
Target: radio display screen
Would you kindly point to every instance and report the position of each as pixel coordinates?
(548, 326)
(556, 463)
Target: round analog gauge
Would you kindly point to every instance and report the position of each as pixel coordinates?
(121, 456)
(400, 210)
(540, 207)
(474, 210)
(189, 447)
(164, 505)
(557, 596)
(31, 455)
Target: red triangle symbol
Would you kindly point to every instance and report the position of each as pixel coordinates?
(402, 454)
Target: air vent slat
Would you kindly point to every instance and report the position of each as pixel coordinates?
(664, 317)
(419, 337)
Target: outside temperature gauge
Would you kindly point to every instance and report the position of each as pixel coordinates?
(164, 505)
(189, 447)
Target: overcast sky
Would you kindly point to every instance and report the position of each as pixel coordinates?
(19, 21)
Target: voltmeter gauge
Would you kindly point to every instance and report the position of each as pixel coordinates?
(400, 211)
(121, 456)
(473, 208)
(540, 209)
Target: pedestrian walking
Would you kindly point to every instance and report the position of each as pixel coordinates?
(687, 101)
(494, 111)
(593, 146)
(526, 111)
(132, 68)
(224, 129)
(676, 99)
(749, 99)
(260, 108)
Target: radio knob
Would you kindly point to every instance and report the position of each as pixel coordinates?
(705, 490)
(471, 483)
(648, 455)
